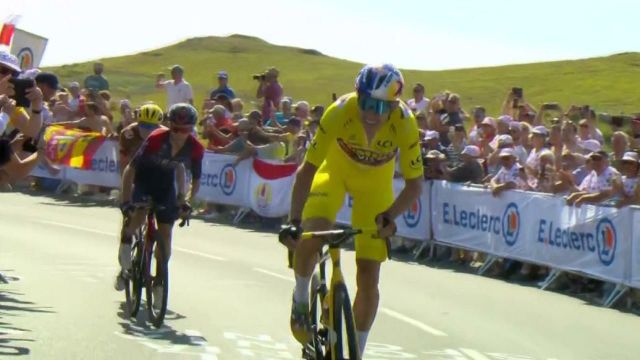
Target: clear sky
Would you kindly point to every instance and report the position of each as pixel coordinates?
(418, 34)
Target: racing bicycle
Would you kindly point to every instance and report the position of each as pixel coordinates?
(333, 334)
(148, 270)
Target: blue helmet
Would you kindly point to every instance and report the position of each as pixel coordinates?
(382, 82)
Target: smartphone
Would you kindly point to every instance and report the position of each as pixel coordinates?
(550, 106)
(517, 92)
(617, 120)
(20, 87)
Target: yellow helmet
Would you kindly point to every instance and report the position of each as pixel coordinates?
(150, 114)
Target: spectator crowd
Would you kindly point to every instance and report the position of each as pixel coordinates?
(532, 147)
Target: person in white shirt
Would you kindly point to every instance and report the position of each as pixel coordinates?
(178, 89)
(598, 186)
(418, 102)
(510, 176)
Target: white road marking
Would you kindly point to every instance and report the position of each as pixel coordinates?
(288, 278)
(422, 326)
(212, 257)
(394, 314)
(474, 354)
(75, 227)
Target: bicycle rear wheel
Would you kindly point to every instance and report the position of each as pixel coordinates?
(343, 326)
(158, 276)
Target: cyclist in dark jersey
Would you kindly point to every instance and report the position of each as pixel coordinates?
(161, 161)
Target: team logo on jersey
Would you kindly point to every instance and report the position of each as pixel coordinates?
(366, 156)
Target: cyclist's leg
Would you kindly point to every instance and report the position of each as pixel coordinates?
(370, 253)
(325, 199)
(129, 226)
(166, 216)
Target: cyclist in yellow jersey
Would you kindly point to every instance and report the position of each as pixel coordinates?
(354, 151)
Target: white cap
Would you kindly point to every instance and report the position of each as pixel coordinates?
(435, 154)
(540, 130)
(505, 119)
(489, 121)
(431, 134)
(630, 156)
(515, 125)
(505, 139)
(507, 152)
(471, 150)
(590, 145)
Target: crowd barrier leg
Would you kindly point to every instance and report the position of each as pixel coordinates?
(553, 275)
(242, 212)
(491, 259)
(615, 295)
(418, 251)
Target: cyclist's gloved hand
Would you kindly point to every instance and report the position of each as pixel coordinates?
(290, 233)
(386, 225)
(127, 208)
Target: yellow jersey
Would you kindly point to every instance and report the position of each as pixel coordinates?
(341, 142)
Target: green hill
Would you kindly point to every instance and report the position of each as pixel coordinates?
(608, 84)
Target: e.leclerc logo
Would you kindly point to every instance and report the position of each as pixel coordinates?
(228, 179)
(511, 224)
(412, 216)
(603, 240)
(506, 224)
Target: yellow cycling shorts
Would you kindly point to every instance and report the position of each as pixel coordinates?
(372, 193)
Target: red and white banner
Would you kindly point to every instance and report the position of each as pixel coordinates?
(270, 188)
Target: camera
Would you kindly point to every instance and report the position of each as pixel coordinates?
(260, 77)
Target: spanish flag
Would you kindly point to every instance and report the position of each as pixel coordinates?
(72, 147)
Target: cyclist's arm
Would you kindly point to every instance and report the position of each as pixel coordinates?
(196, 169)
(410, 165)
(181, 180)
(301, 187)
(127, 182)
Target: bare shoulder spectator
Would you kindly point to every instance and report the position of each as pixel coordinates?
(418, 102)
(270, 90)
(619, 147)
(178, 89)
(469, 169)
(97, 81)
(61, 110)
(93, 121)
(237, 107)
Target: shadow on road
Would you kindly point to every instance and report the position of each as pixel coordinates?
(140, 329)
(12, 341)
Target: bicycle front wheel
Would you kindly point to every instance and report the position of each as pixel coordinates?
(344, 332)
(157, 285)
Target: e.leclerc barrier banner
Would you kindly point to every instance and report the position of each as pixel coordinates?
(536, 228)
(223, 183)
(414, 223)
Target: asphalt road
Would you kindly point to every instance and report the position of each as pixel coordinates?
(230, 293)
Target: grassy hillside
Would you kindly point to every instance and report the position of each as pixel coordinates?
(608, 84)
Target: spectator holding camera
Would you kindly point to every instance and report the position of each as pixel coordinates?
(178, 89)
(96, 82)
(270, 90)
(418, 102)
(223, 86)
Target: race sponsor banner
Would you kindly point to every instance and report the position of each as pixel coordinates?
(634, 276)
(270, 188)
(415, 223)
(28, 48)
(223, 183)
(534, 227)
(72, 147)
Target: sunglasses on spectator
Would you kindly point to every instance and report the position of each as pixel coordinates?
(379, 107)
(182, 130)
